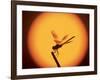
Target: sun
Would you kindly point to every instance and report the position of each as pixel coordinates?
(40, 40)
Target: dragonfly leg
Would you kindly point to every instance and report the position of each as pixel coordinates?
(57, 53)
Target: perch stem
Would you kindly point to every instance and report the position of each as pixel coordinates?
(58, 65)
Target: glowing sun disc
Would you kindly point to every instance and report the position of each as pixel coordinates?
(40, 40)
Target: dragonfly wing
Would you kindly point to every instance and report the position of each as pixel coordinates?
(68, 41)
(57, 41)
(65, 37)
(55, 36)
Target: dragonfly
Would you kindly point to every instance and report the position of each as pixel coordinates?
(60, 43)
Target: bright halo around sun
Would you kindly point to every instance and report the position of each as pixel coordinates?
(40, 40)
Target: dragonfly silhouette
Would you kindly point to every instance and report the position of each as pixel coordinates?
(60, 43)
